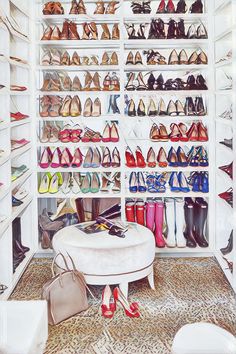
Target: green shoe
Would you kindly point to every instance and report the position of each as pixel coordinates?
(86, 182)
(95, 183)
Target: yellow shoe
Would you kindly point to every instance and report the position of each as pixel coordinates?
(44, 183)
(55, 182)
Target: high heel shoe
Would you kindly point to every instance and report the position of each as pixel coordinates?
(131, 310)
(139, 158)
(228, 169)
(45, 158)
(107, 307)
(141, 109)
(115, 160)
(227, 196)
(151, 158)
(114, 134)
(66, 158)
(106, 35)
(77, 158)
(130, 159)
(131, 108)
(162, 158)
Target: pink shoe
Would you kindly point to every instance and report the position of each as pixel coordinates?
(56, 158)
(66, 158)
(159, 215)
(150, 215)
(46, 158)
(77, 158)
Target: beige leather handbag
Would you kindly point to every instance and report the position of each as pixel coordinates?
(66, 293)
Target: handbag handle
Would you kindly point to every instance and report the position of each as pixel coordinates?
(54, 260)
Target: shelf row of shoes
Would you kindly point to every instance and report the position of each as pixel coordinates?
(59, 81)
(79, 8)
(86, 158)
(77, 182)
(175, 222)
(196, 156)
(179, 132)
(192, 82)
(57, 57)
(91, 31)
(167, 7)
(141, 182)
(196, 57)
(73, 134)
(158, 29)
(189, 107)
(56, 106)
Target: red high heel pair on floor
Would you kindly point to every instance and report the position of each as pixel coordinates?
(108, 307)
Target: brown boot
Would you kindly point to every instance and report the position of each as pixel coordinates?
(74, 8)
(95, 208)
(106, 33)
(115, 31)
(65, 31)
(80, 209)
(73, 33)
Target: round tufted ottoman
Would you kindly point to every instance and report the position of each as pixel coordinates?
(106, 259)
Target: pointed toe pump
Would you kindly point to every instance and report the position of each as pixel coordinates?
(130, 159)
(140, 158)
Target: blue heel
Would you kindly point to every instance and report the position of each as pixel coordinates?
(196, 183)
(183, 183)
(133, 185)
(141, 183)
(174, 182)
(204, 183)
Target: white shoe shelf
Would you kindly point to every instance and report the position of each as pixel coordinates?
(131, 129)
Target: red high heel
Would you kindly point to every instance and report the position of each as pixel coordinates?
(175, 132)
(75, 134)
(65, 134)
(151, 158)
(106, 135)
(18, 116)
(56, 158)
(139, 158)
(107, 308)
(161, 8)
(202, 132)
(46, 158)
(170, 7)
(193, 132)
(183, 132)
(114, 135)
(77, 158)
(66, 158)
(130, 160)
(131, 310)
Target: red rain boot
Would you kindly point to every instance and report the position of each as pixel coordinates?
(140, 207)
(129, 211)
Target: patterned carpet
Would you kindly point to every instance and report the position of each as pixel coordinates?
(187, 290)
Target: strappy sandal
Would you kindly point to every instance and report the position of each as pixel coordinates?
(75, 134)
(64, 134)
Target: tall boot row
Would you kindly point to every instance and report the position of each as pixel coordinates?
(175, 222)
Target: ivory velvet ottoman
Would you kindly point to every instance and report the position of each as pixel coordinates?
(106, 259)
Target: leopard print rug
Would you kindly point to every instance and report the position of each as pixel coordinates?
(187, 290)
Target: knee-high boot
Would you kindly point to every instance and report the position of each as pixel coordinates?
(170, 219)
(95, 208)
(179, 223)
(129, 211)
(150, 215)
(80, 209)
(200, 217)
(159, 216)
(140, 208)
(189, 221)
